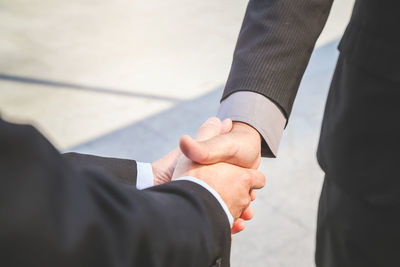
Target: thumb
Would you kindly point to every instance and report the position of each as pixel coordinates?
(226, 126)
(239, 147)
(211, 128)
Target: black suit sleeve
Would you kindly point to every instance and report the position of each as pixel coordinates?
(54, 213)
(274, 47)
(123, 170)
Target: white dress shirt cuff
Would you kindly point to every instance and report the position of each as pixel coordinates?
(213, 192)
(145, 176)
(259, 112)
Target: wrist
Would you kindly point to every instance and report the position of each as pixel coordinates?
(244, 127)
(250, 139)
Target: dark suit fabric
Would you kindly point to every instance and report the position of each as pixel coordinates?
(57, 213)
(274, 46)
(359, 210)
(359, 144)
(123, 170)
(353, 232)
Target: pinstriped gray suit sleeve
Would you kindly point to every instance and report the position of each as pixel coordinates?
(259, 112)
(272, 52)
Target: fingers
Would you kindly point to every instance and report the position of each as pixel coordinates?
(226, 126)
(163, 168)
(252, 194)
(241, 146)
(221, 148)
(238, 226)
(212, 127)
(240, 223)
(247, 214)
(257, 179)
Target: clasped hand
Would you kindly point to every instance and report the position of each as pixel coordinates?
(226, 156)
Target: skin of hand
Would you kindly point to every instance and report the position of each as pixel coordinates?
(233, 183)
(164, 167)
(163, 170)
(241, 147)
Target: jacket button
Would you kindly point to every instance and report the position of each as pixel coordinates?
(217, 263)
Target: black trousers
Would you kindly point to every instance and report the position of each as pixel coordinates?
(353, 233)
(359, 210)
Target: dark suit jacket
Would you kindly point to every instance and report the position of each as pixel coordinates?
(359, 142)
(72, 211)
(278, 36)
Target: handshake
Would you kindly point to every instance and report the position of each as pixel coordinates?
(225, 156)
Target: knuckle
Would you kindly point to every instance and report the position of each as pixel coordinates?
(242, 204)
(209, 129)
(263, 179)
(245, 202)
(247, 178)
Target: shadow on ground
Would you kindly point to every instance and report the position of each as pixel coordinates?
(73, 86)
(152, 137)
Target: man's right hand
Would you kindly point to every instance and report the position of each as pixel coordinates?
(233, 183)
(241, 146)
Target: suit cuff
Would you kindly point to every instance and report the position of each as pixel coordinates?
(145, 176)
(213, 192)
(259, 112)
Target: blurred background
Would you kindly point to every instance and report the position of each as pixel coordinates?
(127, 78)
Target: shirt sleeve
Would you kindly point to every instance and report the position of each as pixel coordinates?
(145, 176)
(259, 112)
